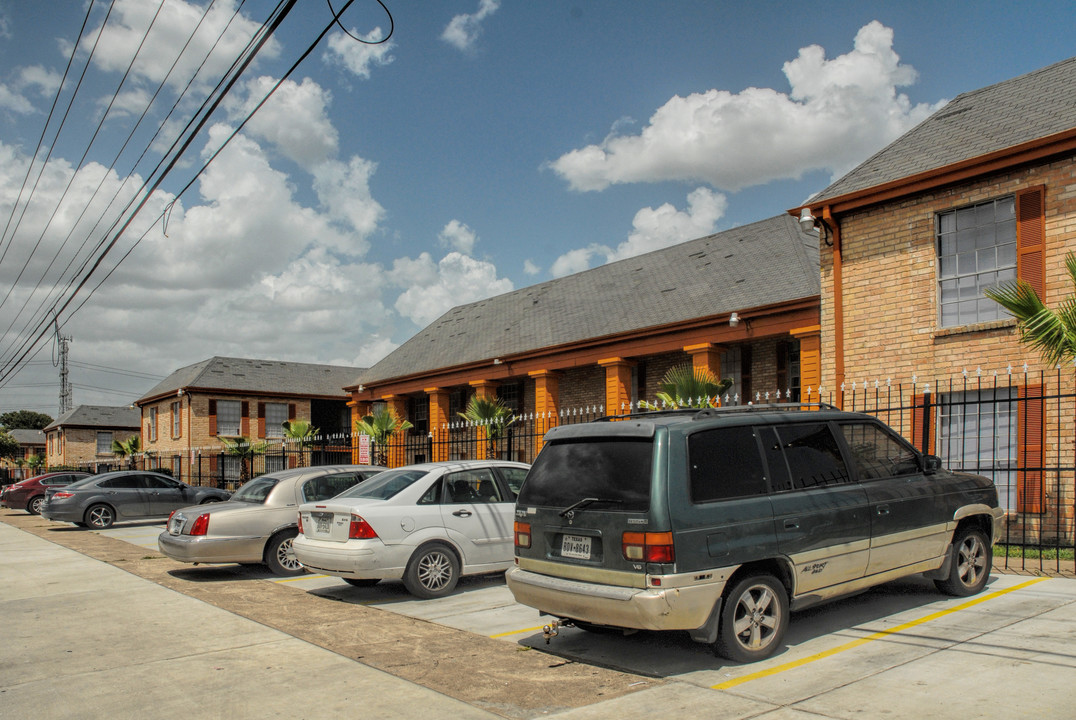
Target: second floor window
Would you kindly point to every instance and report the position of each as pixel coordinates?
(229, 418)
(153, 424)
(976, 249)
(177, 424)
(276, 414)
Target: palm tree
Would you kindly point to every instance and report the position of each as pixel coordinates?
(242, 448)
(492, 414)
(302, 432)
(127, 448)
(1051, 332)
(380, 426)
(687, 386)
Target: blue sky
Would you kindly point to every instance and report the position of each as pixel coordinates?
(485, 147)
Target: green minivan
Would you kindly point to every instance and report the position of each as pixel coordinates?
(721, 521)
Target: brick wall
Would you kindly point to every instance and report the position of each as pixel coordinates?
(891, 324)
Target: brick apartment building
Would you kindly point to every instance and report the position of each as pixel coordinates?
(82, 438)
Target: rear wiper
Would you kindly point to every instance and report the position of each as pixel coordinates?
(586, 501)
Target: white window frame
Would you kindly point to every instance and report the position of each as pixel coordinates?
(224, 430)
(975, 248)
(977, 433)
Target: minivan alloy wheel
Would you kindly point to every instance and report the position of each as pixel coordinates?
(754, 619)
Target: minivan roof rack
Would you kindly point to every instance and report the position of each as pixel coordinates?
(699, 414)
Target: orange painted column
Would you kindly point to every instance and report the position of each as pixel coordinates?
(439, 422)
(546, 404)
(810, 361)
(483, 389)
(617, 385)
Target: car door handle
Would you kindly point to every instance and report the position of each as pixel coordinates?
(883, 509)
(462, 513)
(792, 525)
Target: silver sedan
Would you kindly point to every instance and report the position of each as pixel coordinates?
(259, 522)
(426, 524)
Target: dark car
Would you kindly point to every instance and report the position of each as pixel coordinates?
(100, 500)
(29, 494)
(721, 521)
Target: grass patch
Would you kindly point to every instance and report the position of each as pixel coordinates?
(1034, 553)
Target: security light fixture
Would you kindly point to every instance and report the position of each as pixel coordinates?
(734, 320)
(807, 220)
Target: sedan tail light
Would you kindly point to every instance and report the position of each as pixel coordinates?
(63, 495)
(301, 524)
(201, 525)
(360, 529)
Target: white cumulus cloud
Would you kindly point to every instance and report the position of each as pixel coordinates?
(356, 57)
(654, 229)
(434, 288)
(459, 237)
(838, 112)
(463, 31)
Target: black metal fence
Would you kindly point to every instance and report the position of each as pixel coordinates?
(1016, 428)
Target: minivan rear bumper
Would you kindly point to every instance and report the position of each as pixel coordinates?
(651, 608)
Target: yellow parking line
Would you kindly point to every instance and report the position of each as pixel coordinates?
(870, 638)
(516, 632)
(301, 577)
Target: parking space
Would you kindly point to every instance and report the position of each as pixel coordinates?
(902, 642)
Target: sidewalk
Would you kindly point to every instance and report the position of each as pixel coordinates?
(82, 639)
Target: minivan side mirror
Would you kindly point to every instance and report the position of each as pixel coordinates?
(931, 463)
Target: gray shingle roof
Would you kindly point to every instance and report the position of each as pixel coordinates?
(103, 416)
(263, 377)
(760, 264)
(975, 123)
(27, 436)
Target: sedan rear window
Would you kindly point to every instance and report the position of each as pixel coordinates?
(385, 485)
(257, 490)
(613, 474)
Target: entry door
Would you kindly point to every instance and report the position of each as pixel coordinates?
(477, 516)
(821, 516)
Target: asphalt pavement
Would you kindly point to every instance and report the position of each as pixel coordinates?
(94, 626)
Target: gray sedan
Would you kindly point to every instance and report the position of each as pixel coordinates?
(100, 500)
(260, 521)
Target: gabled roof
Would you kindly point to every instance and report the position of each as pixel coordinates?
(1031, 107)
(761, 264)
(99, 416)
(261, 377)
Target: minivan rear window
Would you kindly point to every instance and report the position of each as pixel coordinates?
(613, 473)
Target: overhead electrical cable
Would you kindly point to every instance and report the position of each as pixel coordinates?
(58, 286)
(284, 8)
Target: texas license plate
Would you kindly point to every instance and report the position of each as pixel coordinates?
(575, 546)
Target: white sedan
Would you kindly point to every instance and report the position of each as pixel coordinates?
(427, 524)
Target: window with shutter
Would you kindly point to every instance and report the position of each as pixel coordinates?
(1031, 238)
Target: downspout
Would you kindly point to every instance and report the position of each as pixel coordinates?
(834, 229)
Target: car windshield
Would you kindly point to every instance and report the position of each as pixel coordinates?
(606, 474)
(385, 485)
(257, 490)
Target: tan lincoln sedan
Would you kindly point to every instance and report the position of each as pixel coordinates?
(259, 522)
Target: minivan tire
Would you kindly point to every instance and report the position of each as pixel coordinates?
(970, 560)
(753, 620)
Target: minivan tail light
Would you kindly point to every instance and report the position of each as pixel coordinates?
(523, 535)
(201, 525)
(648, 547)
(360, 529)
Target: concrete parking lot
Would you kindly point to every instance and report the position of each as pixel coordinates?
(901, 650)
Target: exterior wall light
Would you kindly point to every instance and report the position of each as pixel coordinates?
(734, 320)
